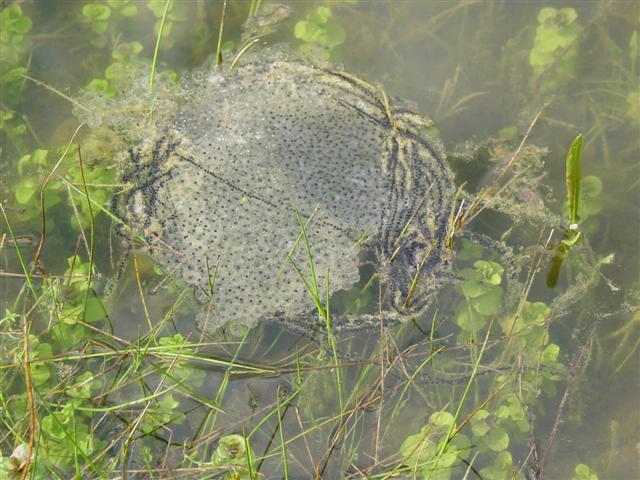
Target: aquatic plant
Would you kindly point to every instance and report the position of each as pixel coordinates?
(576, 213)
(554, 53)
(320, 33)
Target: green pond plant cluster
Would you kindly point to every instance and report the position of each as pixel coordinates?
(79, 400)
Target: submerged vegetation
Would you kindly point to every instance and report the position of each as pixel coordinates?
(106, 374)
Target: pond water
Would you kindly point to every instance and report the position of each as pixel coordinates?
(498, 376)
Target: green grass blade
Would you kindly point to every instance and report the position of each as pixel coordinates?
(332, 344)
(463, 399)
(283, 445)
(25, 270)
(92, 240)
(220, 32)
(312, 268)
(157, 49)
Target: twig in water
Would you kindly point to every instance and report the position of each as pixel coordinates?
(44, 186)
(575, 367)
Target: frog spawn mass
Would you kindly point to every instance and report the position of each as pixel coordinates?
(220, 191)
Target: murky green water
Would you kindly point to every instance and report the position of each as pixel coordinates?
(127, 382)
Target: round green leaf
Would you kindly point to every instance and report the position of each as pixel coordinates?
(25, 190)
(40, 157)
(13, 75)
(568, 15)
(489, 303)
(468, 319)
(583, 472)
(497, 439)
(546, 14)
(479, 426)
(550, 353)
(232, 449)
(334, 35)
(534, 312)
(491, 271)
(444, 419)
(508, 133)
(129, 11)
(21, 25)
(320, 15)
(96, 12)
(591, 186)
(473, 289)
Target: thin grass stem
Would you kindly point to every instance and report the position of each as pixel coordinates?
(154, 63)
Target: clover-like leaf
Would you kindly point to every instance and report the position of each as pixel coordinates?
(99, 85)
(534, 313)
(547, 14)
(497, 439)
(40, 157)
(567, 15)
(126, 51)
(168, 403)
(96, 12)
(320, 28)
(158, 8)
(583, 472)
(320, 15)
(591, 186)
(13, 75)
(550, 353)
(25, 190)
(441, 419)
(307, 31)
(423, 446)
(479, 426)
(501, 469)
(491, 271)
(469, 250)
(489, 303)
(12, 20)
(469, 319)
(231, 450)
(473, 289)
(85, 383)
(129, 11)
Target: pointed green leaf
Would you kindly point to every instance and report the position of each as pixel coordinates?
(573, 168)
